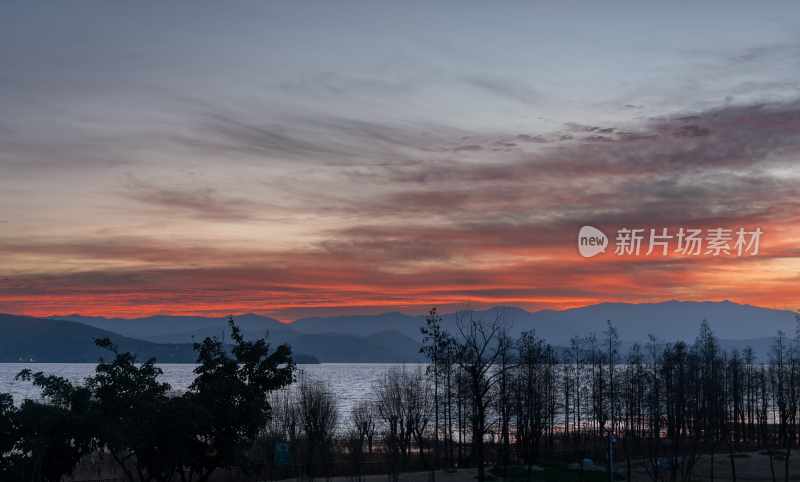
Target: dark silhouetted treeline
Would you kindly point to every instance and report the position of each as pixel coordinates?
(124, 415)
(485, 400)
(489, 401)
(659, 406)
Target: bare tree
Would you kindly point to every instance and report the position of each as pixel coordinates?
(435, 345)
(532, 393)
(363, 421)
(503, 402)
(478, 351)
(403, 404)
(318, 418)
(360, 433)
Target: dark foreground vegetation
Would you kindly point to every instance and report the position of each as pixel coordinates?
(516, 409)
(128, 417)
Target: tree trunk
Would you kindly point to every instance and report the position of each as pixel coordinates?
(772, 466)
(786, 462)
(733, 462)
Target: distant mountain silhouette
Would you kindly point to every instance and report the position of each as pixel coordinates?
(179, 329)
(362, 325)
(384, 347)
(42, 340)
(671, 320)
(396, 337)
(378, 346)
(28, 339)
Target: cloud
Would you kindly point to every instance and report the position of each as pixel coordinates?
(530, 138)
(321, 140)
(423, 223)
(228, 133)
(21, 156)
(760, 53)
(708, 165)
(306, 281)
(196, 202)
(469, 148)
(505, 89)
(335, 84)
(124, 250)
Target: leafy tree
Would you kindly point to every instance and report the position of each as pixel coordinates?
(154, 437)
(130, 401)
(51, 437)
(8, 436)
(176, 444)
(233, 389)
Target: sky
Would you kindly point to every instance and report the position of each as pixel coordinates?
(311, 158)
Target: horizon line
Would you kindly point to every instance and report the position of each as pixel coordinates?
(412, 314)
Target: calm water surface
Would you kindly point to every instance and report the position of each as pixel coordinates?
(351, 382)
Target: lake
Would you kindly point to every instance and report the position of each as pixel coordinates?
(351, 382)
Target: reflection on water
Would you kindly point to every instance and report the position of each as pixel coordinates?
(351, 382)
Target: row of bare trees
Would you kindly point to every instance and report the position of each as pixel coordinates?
(489, 400)
(660, 406)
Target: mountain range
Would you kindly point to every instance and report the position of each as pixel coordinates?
(24, 338)
(670, 320)
(28, 339)
(388, 337)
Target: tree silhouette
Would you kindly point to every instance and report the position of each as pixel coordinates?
(232, 389)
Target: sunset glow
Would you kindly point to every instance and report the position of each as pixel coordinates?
(248, 161)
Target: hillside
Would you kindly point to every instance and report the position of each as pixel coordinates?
(43, 340)
(393, 340)
(24, 338)
(669, 321)
(179, 329)
(396, 336)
